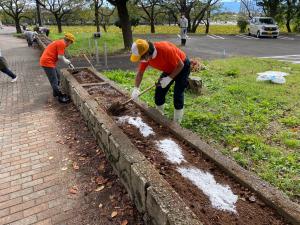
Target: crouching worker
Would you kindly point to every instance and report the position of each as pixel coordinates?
(175, 66)
(48, 61)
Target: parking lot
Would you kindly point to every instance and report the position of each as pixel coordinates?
(284, 48)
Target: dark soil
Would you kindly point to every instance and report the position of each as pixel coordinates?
(250, 211)
(84, 76)
(92, 171)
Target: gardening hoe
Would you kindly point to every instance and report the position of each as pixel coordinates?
(87, 59)
(118, 107)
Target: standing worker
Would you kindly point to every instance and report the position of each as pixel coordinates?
(48, 61)
(175, 66)
(183, 22)
(4, 68)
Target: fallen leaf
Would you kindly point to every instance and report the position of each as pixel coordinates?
(101, 180)
(114, 214)
(252, 199)
(64, 168)
(235, 149)
(100, 188)
(73, 190)
(124, 222)
(75, 166)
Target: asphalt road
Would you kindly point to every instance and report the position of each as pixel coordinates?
(285, 47)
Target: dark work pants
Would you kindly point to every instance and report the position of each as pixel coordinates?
(54, 79)
(9, 73)
(181, 82)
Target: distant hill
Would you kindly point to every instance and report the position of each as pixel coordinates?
(230, 7)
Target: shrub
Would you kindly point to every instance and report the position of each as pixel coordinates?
(242, 24)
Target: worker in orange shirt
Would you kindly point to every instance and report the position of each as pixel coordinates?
(48, 61)
(175, 67)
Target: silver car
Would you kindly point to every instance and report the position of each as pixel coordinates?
(263, 27)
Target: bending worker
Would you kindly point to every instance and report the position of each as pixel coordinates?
(175, 66)
(49, 58)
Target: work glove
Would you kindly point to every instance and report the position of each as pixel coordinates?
(66, 61)
(164, 82)
(135, 93)
(71, 66)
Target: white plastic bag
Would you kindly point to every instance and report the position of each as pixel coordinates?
(276, 77)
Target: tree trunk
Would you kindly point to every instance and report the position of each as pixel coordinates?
(97, 23)
(288, 16)
(58, 22)
(288, 27)
(152, 26)
(125, 23)
(207, 22)
(104, 27)
(207, 27)
(38, 12)
(18, 27)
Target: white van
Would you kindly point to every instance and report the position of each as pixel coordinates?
(263, 27)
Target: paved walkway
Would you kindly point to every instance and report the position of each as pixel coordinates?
(35, 174)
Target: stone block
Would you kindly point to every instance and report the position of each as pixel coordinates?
(195, 84)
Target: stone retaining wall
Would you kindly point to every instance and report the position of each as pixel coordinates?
(152, 195)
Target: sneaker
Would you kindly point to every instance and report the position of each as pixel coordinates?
(14, 80)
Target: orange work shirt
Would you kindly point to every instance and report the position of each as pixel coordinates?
(49, 57)
(167, 58)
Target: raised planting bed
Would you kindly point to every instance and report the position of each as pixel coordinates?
(172, 176)
(43, 41)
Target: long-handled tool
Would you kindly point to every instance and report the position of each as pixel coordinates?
(75, 70)
(87, 59)
(117, 107)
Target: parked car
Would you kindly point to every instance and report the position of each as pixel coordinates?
(263, 27)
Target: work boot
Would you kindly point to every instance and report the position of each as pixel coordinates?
(64, 99)
(55, 94)
(182, 42)
(160, 108)
(178, 114)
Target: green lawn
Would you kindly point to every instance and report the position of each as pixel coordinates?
(255, 123)
(113, 38)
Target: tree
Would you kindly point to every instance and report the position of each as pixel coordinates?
(194, 10)
(97, 6)
(121, 6)
(270, 7)
(38, 12)
(14, 9)
(60, 8)
(152, 8)
(292, 9)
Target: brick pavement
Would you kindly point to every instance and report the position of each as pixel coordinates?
(30, 179)
(33, 183)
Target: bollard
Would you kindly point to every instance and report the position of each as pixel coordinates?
(105, 55)
(97, 51)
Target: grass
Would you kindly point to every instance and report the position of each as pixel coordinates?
(255, 123)
(85, 44)
(114, 40)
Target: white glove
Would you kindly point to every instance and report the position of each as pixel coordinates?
(135, 93)
(165, 81)
(71, 66)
